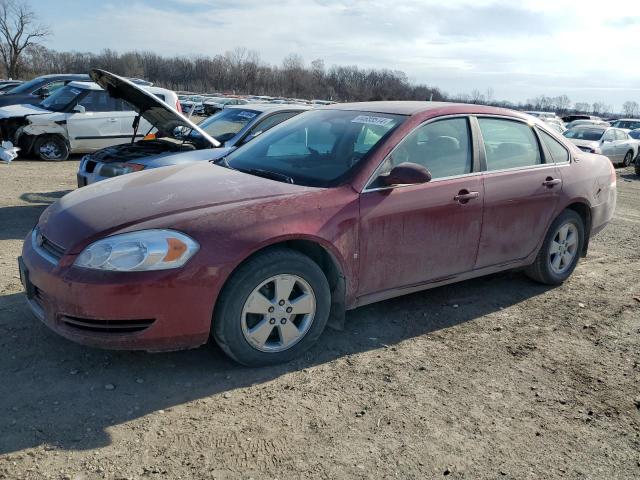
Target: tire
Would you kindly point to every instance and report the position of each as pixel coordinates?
(637, 167)
(628, 159)
(233, 325)
(543, 269)
(51, 148)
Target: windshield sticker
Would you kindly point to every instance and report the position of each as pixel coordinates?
(248, 115)
(369, 120)
(76, 92)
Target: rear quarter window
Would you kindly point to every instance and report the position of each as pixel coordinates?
(559, 154)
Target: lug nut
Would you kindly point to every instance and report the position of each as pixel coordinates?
(289, 309)
(281, 302)
(283, 321)
(272, 321)
(271, 309)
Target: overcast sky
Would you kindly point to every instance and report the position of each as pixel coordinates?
(586, 49)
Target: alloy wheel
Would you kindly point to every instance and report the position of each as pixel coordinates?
(278, 313)
(563, 248)
(50, 151)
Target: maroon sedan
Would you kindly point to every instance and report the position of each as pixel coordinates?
(336, 208)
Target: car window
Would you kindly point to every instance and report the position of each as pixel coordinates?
(509, 144)
(635, 134)
(271, 121)
(620, 135)
(442, 147)
(99, 101)
(609, 136)
(226, 124)
(558, 153)
(629, 124)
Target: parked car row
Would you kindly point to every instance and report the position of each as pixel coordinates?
(300, 215)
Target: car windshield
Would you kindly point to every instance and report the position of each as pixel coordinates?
(225, 124)
(61, 98)
(590, 134)
(318, 148)
(628, 124)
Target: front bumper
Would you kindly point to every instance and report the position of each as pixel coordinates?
(155, 311)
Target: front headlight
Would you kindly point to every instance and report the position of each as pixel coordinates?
(117, 169)
(139, 251)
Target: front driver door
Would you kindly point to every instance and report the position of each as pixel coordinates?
(410, 235)
(98, 126)
(609, 147)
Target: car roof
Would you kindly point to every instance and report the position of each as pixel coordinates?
(627, 120)
(63, 76)
(85, 85)
(408, 107)
(270, 107)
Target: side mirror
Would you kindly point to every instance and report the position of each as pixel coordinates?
(79, 109)
(44, 92)
(406, 173)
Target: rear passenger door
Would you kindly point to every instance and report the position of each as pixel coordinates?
(521, 191)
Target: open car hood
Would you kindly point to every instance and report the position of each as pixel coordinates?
(158, 113)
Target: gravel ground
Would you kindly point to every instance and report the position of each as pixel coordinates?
(492, 378)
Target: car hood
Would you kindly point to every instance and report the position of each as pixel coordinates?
(14, 111)
(110, 206)
(585, 143)
(158, 113)
(164, 160)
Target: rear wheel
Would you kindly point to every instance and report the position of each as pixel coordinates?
(272, 309)
(51, 148)
(628, 158)
(637, 168)
(560, 250)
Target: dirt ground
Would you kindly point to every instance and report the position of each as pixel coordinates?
(492, 378)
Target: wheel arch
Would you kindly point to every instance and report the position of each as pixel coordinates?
(583, 209)
(322, 254)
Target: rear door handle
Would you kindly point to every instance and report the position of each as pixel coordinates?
(464, 196)
(551, 182)
(113, 120)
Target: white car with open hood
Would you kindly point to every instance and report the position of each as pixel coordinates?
(80, 117)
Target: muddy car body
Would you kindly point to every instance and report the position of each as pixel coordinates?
(336, 208)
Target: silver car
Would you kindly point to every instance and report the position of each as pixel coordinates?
(612, 142)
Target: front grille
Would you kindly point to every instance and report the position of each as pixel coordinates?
(106, 326)
(51, 248)
(38, 296)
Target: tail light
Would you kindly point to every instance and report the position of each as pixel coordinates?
(614, 179)
(178, 106)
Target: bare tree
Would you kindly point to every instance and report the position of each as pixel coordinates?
(19, 30)
(631, 108)
(582, 107)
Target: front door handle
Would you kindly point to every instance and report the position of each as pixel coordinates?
(113, 120)
(464, 196)
(551, 182)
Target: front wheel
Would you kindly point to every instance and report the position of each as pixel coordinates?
(272, 309)
(628, 158)
(560, 250)
(637, 167)
(51, 148)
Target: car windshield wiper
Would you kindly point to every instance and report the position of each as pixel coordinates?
(280, 177)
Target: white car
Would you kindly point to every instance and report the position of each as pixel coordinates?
(80, 117)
